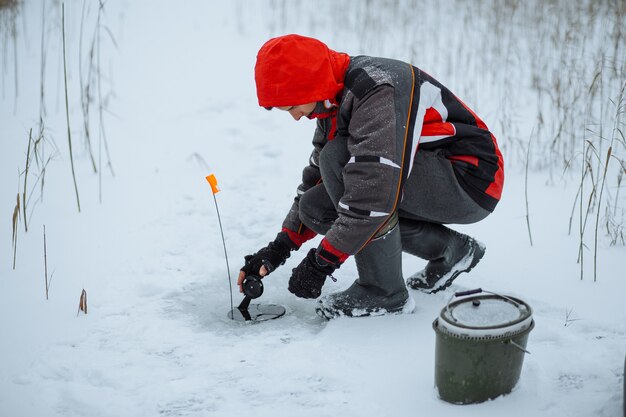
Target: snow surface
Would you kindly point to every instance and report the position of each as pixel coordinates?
(156, 339)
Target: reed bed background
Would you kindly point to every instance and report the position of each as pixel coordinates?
(79, 63)
(547, 76)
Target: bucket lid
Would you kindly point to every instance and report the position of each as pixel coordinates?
(485, 316)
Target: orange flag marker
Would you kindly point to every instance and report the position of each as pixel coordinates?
(213, 182)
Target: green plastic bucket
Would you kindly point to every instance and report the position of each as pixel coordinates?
(480, 347)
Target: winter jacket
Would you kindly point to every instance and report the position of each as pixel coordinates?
(389, 110)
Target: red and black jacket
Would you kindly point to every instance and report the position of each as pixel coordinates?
(388, 110)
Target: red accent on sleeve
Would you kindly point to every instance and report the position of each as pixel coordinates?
(465, 158)
(495, 188)
(330, 248)
(438, 129)
(300, 238)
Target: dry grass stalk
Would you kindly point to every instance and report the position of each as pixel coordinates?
(82, 304)
(530, 235)
(45, 261)
(614, 228)
(16, 214)
(9, 12)
(40, 142)
(616, 135)
(571, 216)
(85, 87)
(568, 317)
(620, 177)
(42, 109)
(595, 237)
(67, 106)
(102, 138)
(30, 141)
(40, 176)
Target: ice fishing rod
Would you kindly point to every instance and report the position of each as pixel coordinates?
(252, 284)
(215, 189)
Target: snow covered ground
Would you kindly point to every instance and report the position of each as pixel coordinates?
(156, 339)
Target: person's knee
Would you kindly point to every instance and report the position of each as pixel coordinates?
(305, 206)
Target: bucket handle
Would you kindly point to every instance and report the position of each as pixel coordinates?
(477, 291)
(517, 346)
(468, 292)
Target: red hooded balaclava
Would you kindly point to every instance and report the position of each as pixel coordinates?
(292, 70)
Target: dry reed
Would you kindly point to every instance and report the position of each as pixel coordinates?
(82, 303)
(67, 106)
(45, 261)
(15, 218)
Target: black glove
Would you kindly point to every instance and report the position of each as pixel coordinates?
(271, 256)
(308, 278)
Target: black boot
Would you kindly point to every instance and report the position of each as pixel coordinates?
(449, 253)
(380, 288)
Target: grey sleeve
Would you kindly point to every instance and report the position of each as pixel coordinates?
(372, 176)
(310, 177)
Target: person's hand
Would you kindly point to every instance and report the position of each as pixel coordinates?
(242, 276)
(267, 259)
(308, 278)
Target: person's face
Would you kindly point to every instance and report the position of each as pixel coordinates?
(298, 111)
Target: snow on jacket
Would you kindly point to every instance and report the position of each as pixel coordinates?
(388, 110)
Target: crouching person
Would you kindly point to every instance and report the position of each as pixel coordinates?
(395, 156)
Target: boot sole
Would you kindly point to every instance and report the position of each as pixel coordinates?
(477, 254)
(326, 313)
